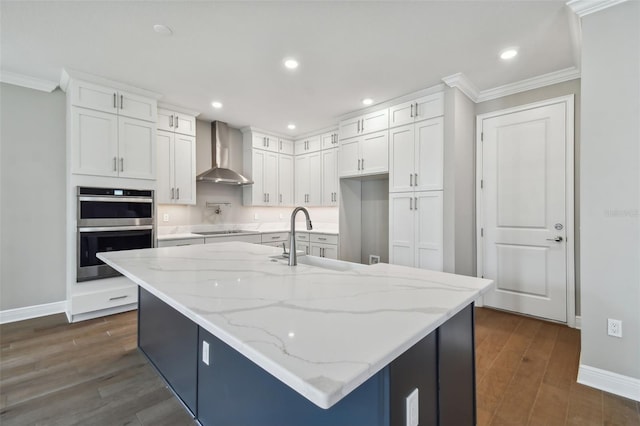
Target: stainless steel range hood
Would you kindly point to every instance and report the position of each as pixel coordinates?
(220, 172)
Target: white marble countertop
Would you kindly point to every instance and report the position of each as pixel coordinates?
(182, 234)
(321, 332)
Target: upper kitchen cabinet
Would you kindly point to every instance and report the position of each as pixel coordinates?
(308, 182)
(416, 110)
(364, 124)
(261, 161)
(364, 155)
(265, 142)
(416, 156)
(285, 180)
(175, 121)
(329, 140)
(286, 146)
(307, 145)
(176, 168)
(109, 99)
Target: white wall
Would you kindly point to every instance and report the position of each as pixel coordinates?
(374, 220)
(32, 192)
(610, 194)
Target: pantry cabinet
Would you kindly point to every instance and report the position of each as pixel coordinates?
(416, 110)
(416, 229)
(416, 156)
(308, 181)
(285, 180)
(364, 155)
(330, 177)
(176, 182)
(262, 167)
(177, 122)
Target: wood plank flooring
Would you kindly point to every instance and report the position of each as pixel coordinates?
(55, 373)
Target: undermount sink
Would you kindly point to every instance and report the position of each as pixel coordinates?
(227, 232)
(320, 262)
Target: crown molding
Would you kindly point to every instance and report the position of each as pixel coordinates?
(176, 108)
(465, 85)
(27, 81)
(548, 79)
(587, 7)
(68, 74)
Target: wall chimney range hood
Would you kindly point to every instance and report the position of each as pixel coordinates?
(220, 171)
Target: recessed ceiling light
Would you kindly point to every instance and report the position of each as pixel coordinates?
(162, 29)
(291, 126)
(216, 104)
(367, 101)
(509, 54)
(291, 63)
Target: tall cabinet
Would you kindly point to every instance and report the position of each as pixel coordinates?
(416, 161)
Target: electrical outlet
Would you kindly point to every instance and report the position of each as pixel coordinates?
(165, 217)
(255, 216)
(614, 327)
(373, 259)
(412, 409)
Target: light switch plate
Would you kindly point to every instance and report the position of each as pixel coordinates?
(412, 406)
(165, 217)
(205, 352)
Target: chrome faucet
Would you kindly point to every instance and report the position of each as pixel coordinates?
(293, 260)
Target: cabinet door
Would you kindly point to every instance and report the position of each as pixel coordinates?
(303, 246)
(401, 226)
(315, 179)
(350, 128)
(164, 175)
(429, 107)
(349, 158)
(375, 121)
(302, 179)
(135, 106)
(402, 114)
(329, 140)
(185, 169)
(315, 250)
(185, 124)
(270, 178)
(165, 120)
(93, 96)
(314, 143)
(285, 180)
(401, 158)
(285, 146)
(330, 251)
(258, 192)
(330, 177)
(428, 230)
(94, 142)
(375, 153)
(429, 158)
(266, 142)
(136, 148)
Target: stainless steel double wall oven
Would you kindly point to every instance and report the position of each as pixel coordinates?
(111, 220)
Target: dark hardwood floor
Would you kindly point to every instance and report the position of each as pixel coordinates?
(55, 373)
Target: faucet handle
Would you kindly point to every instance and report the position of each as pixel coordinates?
(284, 250)
(309, 226)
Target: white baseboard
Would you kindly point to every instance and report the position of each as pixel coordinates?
(28, 312)
(578, 323)
(608, 381)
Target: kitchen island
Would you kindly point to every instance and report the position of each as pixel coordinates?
(244, 339)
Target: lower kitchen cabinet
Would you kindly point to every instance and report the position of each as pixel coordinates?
(416, 229)
(180, 242)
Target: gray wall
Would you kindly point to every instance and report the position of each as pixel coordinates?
(375, 220)
(543, 93)
(610, 199)
(32, 193)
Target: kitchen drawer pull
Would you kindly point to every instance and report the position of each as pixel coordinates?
(410, 179)
(177, 193)
(173, 193)
(322, 239)
(362, 125)
(122, 164)
(171, 121)
(362, 164)
(358, 164)
(415, 203)
(276, 237)
(280, 200)
(410, 203)
(177, 122)
(121, 102)
(118, 297)
(114, 101)
(415, 179)
(416, 109)
(115, 164)
(411, 111)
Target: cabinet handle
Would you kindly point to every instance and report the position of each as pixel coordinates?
(118, 297)
(171, 121)
(307, 249)
(322, 239)
(275, 238)
(121, 102)
(416, 109)
(115, 167)
(358, 126)
(410, 203)
(362, 125)
(415, 203)
(173, 193)
(268, 197)
(267, 144)
(415, 179)
(264, 141)
(358, 164)
(177, 122)
(280, 145)
(362, 164)
(114, 101)
(122, 164)
(410, 179)
(280, 198)
(177, 193)
(411, 111)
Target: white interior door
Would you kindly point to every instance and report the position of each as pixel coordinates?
(524, 218)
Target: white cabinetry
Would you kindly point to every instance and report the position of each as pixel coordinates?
(108, 99)
(174, 121)
(176, 168)
(275, 239)
(308, 182)
(321, 245)
(285, 180)
(364, 155)
(416, 229)
(262, 167)
(264, 142)
(310, 144)
(180, 242)
(329, 140)
(330, 177)
(418, 109)
(286, 146)
(361, 125)
(416, 156)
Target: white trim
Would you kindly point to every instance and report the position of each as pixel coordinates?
(69, 74)
(27, 81)
(28, 312)
(569, 101)
(578, 322)
(608, 381)
(465, 85)
(548, 79)
(587, 7)
(178, 109)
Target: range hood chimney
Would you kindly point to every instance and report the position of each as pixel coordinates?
(219, 171)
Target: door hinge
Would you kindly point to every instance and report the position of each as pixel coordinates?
(482, 232)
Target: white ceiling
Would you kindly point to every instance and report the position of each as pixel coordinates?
(233, 51)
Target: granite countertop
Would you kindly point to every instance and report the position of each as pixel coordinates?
(320, 331)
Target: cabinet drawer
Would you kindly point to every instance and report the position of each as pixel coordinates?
(180, 242)
(302, 236)
(275, 236)
(324, 238)
(111, 298)
(253, 239)
(277, 244)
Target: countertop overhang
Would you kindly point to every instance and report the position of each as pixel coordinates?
(321, 332)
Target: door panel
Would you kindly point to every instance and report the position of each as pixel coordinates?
(136, 148)
(375, 153)
(95, 142)
(401, 232)
(185, 174)
(429, 155)
(285, 180)
(302, 179)
(270, 178)
(164, 176)
(135, 106)
(401, 158)
(348, 156)
(315, 179)
(428, 230)
(523, 200)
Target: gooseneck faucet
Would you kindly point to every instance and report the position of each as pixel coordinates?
(293, 260)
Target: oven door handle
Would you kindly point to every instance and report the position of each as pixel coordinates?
(115, 228)
(117, 199)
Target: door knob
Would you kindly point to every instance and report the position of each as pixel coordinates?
(556, 239)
